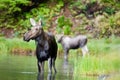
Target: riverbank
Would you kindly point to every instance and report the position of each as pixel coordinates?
(97, 47)
(104, 57)
(16, 46)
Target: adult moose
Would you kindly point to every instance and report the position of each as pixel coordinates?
(46, 46)
(76, 42)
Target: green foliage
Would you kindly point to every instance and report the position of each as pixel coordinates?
(67, 30)
(41, 10)
(61, 21)
(10, 14)
(64, 25)
(110, 6)
(109, 10)
(82, 5)
(109, 26)
(113, 4)
(59, 5)
(11, 6)
(17, 13)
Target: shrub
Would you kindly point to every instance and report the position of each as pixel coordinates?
(15, 14)
(64, 25)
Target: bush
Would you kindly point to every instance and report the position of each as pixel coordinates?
(15, 14)
(108, 26)
(64, 25)
(13, 7)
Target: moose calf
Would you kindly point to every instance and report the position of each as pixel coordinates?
(68, 43)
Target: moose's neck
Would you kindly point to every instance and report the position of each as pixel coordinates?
(41, 38)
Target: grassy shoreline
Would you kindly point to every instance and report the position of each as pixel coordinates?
(104, 58)
(104, 55)
(15, 46)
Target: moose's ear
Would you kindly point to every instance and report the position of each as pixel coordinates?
(32, 21)
(40, 22)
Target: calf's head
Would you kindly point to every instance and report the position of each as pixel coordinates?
(60, 39)
(35, 30)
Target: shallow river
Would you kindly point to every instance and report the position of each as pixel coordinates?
(25, 68)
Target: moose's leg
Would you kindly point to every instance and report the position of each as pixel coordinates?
(40, 76)
(49, 76)
(39, 69)
(66, 51)
(41, 66)
(53, 63)
(50, 65)
(84, 50)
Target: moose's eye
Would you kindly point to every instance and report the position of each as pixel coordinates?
(36, 29)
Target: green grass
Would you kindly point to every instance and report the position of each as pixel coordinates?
(9, 45)
(93, 65)
(104, 58)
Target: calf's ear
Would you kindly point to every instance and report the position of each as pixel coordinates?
(32, 21)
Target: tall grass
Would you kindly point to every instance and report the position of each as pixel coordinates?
(9, 45)
(104, 58)
(93, 65)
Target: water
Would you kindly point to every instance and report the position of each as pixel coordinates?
(25, 68)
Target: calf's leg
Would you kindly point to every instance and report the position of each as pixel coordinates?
(84, 50)
(66, 51)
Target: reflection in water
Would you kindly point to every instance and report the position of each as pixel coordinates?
(67, 67)
(103, 77)
(65, 71)
(49, 76)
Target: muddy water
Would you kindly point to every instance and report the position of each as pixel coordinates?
(25, 68)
